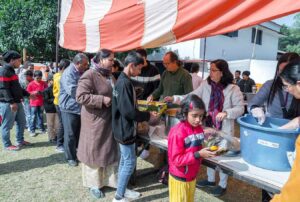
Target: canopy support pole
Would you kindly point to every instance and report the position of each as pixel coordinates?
(57, 34)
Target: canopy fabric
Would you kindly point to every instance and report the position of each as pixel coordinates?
(121, 25)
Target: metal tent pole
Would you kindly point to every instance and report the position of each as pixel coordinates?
(57, 34)
(203, 62)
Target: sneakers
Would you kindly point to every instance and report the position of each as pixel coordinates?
(12, 148)
(23, 143)
(132, 194)
(121, 200)
(145, 154)
(32, 134)
(52, 141)
(96, 193)
(73, 163)
(218, 191)
(60, 149)
(205, 183)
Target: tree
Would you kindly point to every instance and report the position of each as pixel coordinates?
(122, 55)
(291, 41)
(29, 24)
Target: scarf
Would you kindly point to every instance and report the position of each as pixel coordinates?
(104, 72)
(98, 68)
(215, 105)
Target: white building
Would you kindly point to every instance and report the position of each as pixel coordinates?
(233, 46)
(236, 45)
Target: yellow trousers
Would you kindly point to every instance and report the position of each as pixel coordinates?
(181, 191)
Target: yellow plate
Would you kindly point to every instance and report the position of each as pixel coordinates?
(143, 105)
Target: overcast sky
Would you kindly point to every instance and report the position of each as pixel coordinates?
(287, 20)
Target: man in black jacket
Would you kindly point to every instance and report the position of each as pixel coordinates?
(145, 84)
(246, 83)
(149, 78)
(124, 117)
(11, 96)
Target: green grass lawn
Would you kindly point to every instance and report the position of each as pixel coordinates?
(38, 173)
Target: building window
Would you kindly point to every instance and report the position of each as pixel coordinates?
(232, 34)
(258, 37)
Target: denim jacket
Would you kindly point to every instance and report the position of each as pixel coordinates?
(68, 87)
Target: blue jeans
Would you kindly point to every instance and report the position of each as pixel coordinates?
(8, 119)
(126, 167)
(27, 112)
(36, 114)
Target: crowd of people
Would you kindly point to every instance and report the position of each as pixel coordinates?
(92, 114)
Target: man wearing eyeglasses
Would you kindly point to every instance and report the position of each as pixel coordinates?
(70, 109)
(174, 81)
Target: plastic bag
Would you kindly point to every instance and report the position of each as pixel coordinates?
(224, 141)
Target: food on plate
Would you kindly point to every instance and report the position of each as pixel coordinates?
(172, 112)
(159, 107)
(213, 148)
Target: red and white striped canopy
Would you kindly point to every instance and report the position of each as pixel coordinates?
(120, 25)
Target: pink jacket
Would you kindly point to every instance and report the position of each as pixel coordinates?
(184, 142)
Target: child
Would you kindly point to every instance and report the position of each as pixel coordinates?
(185, 150)
(124, 117)
(24, 83)
(51, 115)
(37, 86)
(63, 64)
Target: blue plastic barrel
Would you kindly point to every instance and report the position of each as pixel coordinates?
(266, 146)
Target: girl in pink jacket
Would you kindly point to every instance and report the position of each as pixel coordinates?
(185, 150)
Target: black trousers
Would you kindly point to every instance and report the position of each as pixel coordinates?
(265, 197)
(60, 131)
(71, 123)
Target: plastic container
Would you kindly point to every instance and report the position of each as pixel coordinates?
(266, 146)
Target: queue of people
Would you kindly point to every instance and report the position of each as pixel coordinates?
(92, 114)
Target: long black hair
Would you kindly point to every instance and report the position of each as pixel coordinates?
(191, 102)
(291, 72)
(277, 83)
(227, 77)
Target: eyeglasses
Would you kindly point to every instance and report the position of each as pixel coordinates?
(214, 70)
(286, 87)
(166, 63)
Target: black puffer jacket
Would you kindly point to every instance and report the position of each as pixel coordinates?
(10, 88)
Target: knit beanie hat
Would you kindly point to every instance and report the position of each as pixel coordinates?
(10, 55)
